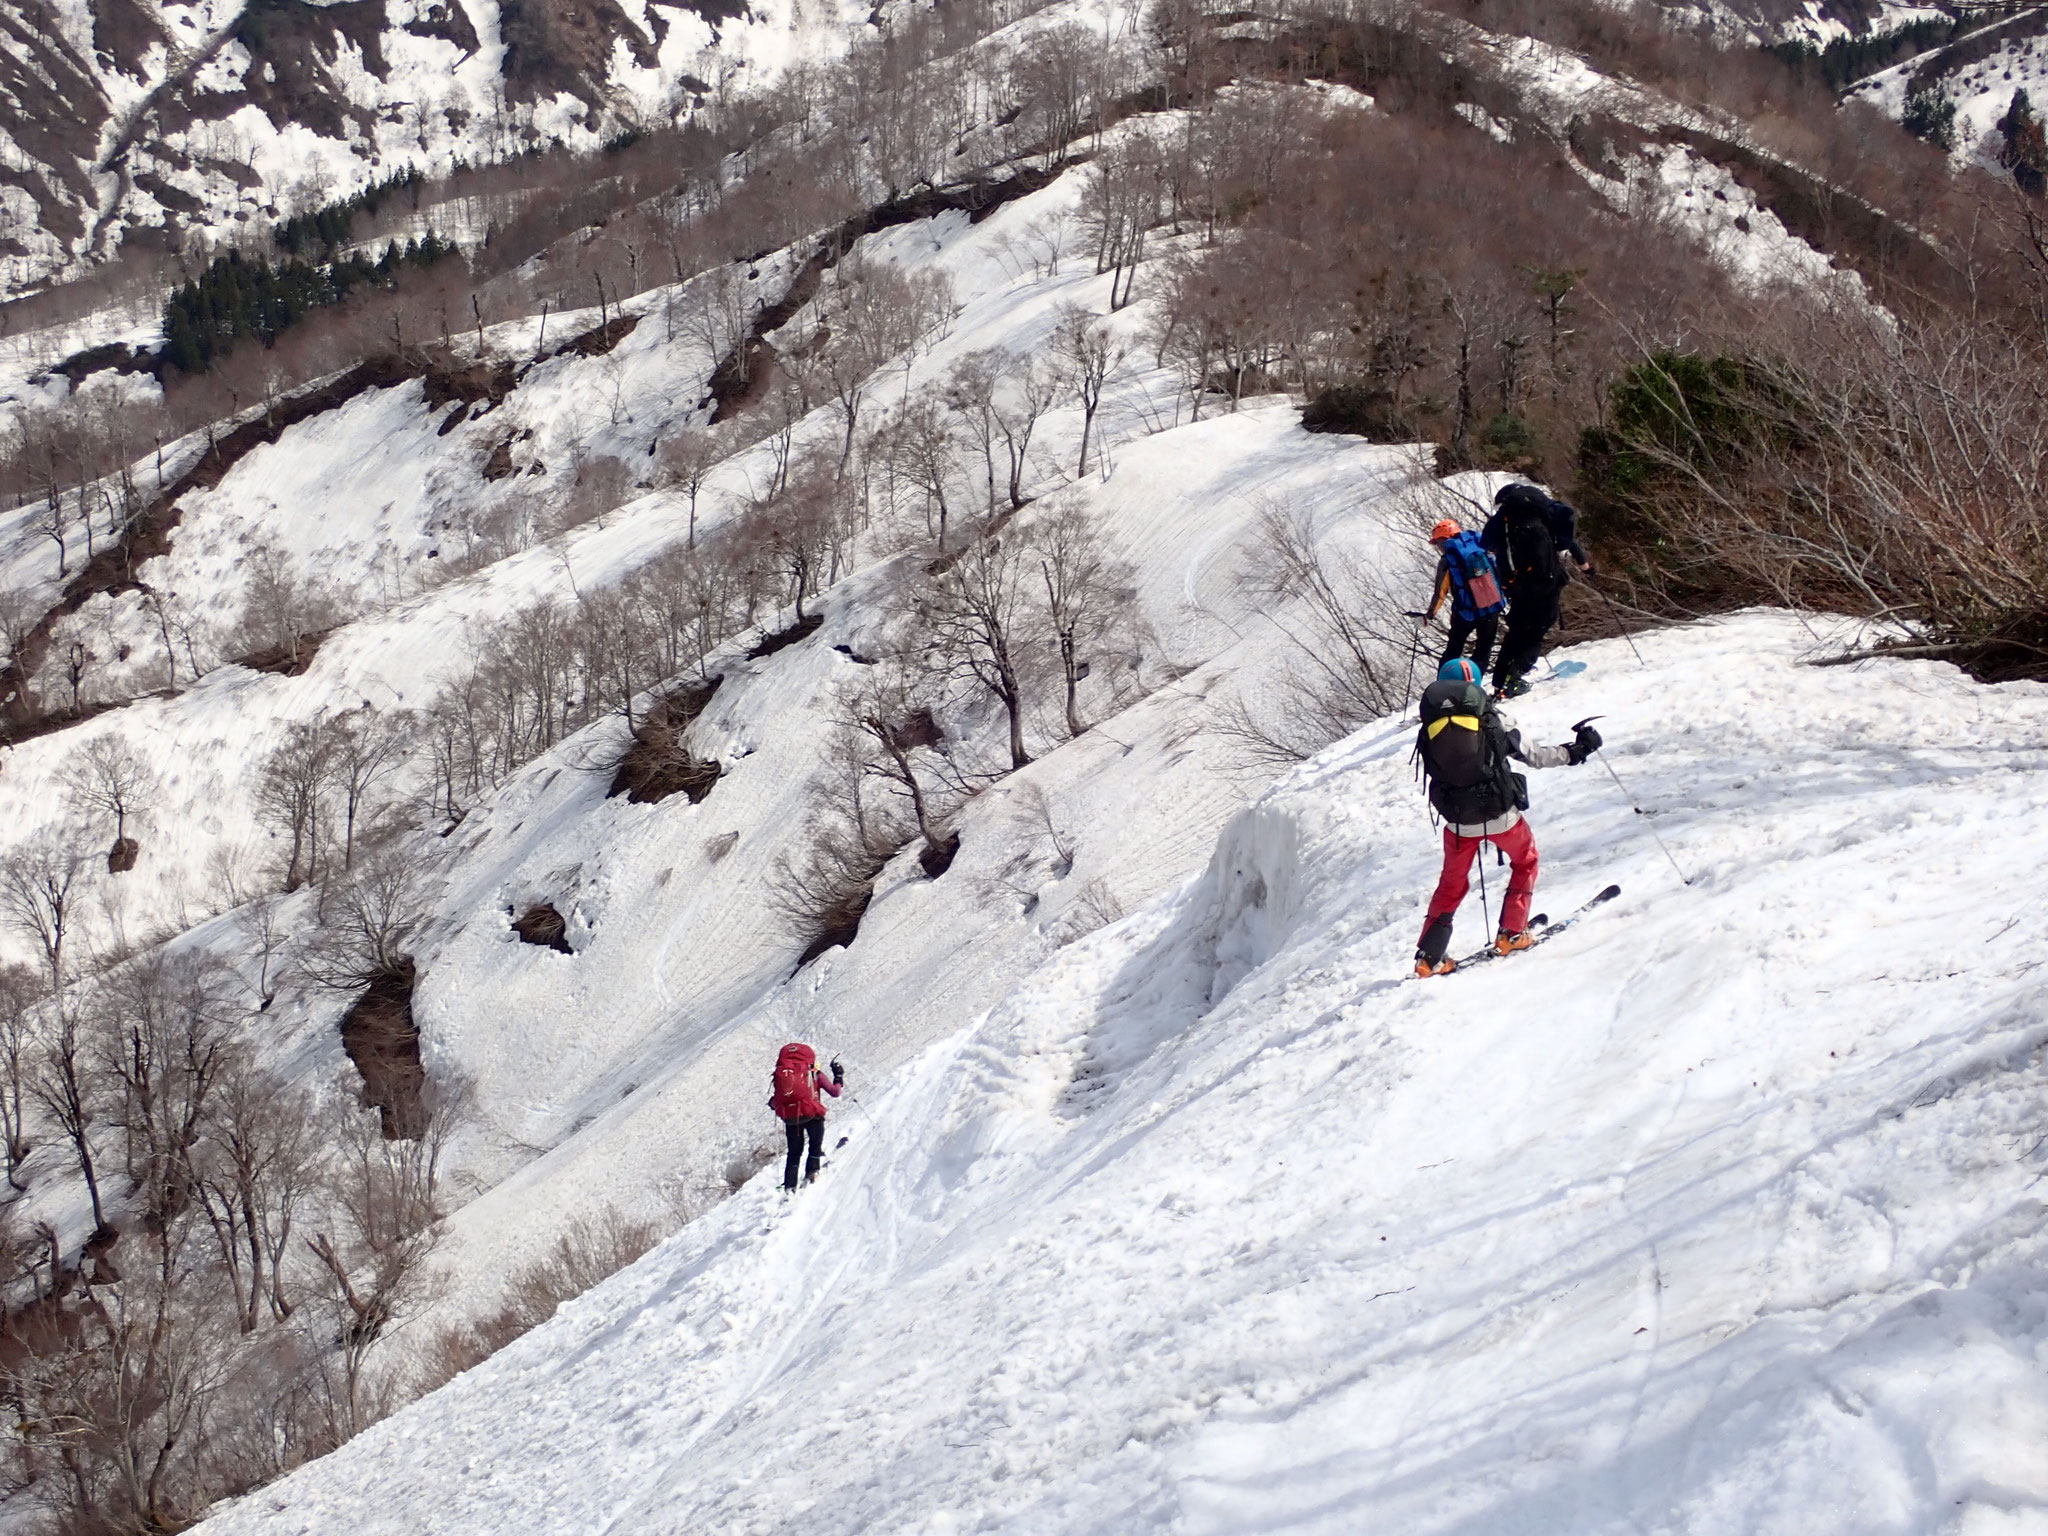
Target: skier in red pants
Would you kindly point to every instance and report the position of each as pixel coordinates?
(1466, 745)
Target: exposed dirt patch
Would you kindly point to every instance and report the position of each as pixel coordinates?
(292, 47)
(121, 857)
(114, 357)
(381, 1038)
(447, 21)
(601, 339)
(541, 924)
(839, 925)
(478, 384)
(565, 45)
(286, 660)
(783, 639)
(935, 858)
(657, 763)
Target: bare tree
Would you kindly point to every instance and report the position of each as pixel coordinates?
(365, 748)
(1120, 204)
(717, 314)
(61, 1080)
(110, 1412)
(39, 891)
(973, 615)
(1034, 389)
(372, 1252)
(872, 312)
(969, 393)
(919, 446)
(1092, 354)
(291, 793)
(110, 782)
(890, 709)
(256, 1167)
(284, 609)
(20, 996)
(162, 1031)
(18, 619)
(1342, 625)
(261, 924)
(1088, 594)
(368, 923)
(795, 530)
(686, 462)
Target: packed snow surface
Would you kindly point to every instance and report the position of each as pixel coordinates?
(1718, 1212)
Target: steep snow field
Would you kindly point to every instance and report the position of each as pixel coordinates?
(1718, 1213)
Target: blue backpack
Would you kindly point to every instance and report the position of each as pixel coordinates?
(1475, 590)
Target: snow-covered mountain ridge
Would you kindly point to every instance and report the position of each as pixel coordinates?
(161, 122)
(1718, 1212)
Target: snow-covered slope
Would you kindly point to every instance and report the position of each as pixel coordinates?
(622, 1072)
(1718, 1213)
(202, 124)
(1979, 73)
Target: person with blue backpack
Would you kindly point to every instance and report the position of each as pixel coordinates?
(1465, 577)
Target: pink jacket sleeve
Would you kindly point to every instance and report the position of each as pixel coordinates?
(825, 1082)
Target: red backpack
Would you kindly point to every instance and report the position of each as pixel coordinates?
(796, 1094)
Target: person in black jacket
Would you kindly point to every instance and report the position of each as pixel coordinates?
(1467, 747)
(1529, 536)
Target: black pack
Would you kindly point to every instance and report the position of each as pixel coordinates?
(1463, 748)
(1531, 542)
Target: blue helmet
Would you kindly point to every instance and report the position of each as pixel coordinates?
(1459, 669)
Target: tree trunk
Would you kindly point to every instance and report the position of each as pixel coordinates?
(1073, 678)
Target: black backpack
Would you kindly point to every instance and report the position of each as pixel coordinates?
(1530, 540)
(1463, 749)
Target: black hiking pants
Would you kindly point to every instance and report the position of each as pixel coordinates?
(798, 1132)
(1480, 630)
(1531, 613)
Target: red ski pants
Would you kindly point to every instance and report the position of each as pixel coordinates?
(1518, 843)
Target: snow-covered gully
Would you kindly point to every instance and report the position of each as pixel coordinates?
(1718, 1213)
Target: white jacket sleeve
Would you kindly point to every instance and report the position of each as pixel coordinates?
(1534, 756)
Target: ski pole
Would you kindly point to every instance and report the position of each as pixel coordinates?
(1616, 615)
(1683, 877)
(860, 1106)
(1414, 651)
(1485, 909)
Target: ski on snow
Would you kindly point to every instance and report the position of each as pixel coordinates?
(1562, 669)
(1542, 928)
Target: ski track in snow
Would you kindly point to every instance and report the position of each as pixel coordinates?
(1720, 1212)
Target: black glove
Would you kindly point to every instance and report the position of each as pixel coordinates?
(1583, 745)
(838, 1073)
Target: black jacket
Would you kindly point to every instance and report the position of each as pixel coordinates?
(1564, 530)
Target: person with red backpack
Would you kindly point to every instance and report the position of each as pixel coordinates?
(1465, 748)
(1465, 575)
(795, 1100)
(1528, 536)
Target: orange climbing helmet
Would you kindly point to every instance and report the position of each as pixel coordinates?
(1444, 530)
